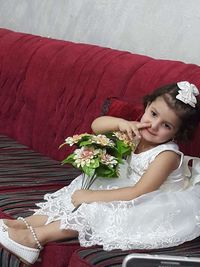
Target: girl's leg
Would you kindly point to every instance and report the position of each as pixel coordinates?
(34, 221)
(45, 234)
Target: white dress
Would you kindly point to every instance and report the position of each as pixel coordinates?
(166, 217)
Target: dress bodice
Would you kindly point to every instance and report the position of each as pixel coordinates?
(139, 163)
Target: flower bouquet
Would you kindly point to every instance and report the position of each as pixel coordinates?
(98, 155)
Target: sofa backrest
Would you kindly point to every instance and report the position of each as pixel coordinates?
(51, 89)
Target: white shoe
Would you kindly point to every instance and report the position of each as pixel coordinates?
(25, 254)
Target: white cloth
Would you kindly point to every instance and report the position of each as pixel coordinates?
(166, 217)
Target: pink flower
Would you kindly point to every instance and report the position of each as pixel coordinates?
(84, 156)
(108, 159)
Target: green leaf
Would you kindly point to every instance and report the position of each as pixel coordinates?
(69, 159)
(105, 171)
(95, 164)
(85, 143)
(122, 148)
(89, 171)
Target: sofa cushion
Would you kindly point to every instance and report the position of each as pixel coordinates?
(120, 108)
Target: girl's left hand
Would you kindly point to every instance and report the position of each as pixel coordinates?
(81, 196)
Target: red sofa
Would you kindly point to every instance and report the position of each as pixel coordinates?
(51, 89)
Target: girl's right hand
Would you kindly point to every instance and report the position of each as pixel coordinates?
(132, 128)
(105, 124)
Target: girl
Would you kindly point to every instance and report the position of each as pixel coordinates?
(151, 205)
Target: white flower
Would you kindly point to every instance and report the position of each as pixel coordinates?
(102, 140)
(74, 139)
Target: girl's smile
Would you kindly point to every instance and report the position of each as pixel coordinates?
(149, 131)
(164, 122)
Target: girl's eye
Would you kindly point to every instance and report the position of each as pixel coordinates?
(167, 126)
(153, 113)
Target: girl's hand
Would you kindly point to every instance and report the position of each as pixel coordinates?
(81, 196)
(132, 128)
(105, 124)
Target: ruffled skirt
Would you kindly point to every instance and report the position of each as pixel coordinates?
(155, 220)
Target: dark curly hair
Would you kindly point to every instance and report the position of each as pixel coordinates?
(188, 115)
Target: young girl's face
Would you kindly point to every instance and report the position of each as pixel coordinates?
(164, 122)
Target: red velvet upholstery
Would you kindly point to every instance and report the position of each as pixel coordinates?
(50, 89)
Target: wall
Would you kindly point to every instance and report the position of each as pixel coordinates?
(158, 28)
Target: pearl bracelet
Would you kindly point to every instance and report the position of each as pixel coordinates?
(32, 232)
(35, 237)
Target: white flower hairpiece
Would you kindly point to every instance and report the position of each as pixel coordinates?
(187, 93)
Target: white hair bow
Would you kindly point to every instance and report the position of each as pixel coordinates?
(187, 93)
